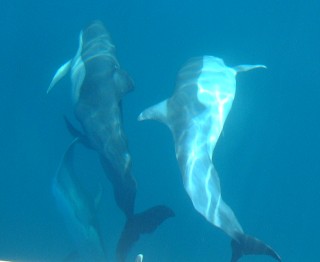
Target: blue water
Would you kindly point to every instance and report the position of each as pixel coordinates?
(267, 157)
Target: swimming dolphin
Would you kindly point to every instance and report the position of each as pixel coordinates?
(79, 212)
(98, 85)
(195, 114)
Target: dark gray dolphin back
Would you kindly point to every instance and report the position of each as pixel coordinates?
(98, 54)
(96, 38)
(97, 105)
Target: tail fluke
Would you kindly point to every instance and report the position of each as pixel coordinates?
(141, 223)
(247, 245)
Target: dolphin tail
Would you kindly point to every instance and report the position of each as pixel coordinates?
(61, 72)
(247, 245)
(142, 223)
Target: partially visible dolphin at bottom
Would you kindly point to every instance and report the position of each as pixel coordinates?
(195, 115)
(79, 211)
(98, 85)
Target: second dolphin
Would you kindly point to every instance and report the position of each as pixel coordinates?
(98, 85)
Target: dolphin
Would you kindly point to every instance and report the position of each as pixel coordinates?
(98, 85)
(79, 212)
(195, 114)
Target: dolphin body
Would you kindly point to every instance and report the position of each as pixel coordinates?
(195, 114)
(79, 212)
(98, 85)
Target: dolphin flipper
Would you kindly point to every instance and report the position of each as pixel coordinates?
(61, 72)
(142, 223)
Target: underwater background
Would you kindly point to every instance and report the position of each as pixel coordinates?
(267, 156)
